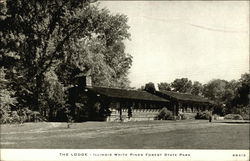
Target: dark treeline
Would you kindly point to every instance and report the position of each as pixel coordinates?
(229, 97)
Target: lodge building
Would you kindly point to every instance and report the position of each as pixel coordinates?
(184, 103)
(112, 104)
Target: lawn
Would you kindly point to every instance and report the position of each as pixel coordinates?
(130, 135)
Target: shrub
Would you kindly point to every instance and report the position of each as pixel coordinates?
(204, 115)
(4, 114)
(165, 114)
(15, 117)
(26, 115)
(243, 111)
(7, 99)
(216, 117)
(183, 116)
(219, 110)
(246, 116)
(4, 119)
(233, 117)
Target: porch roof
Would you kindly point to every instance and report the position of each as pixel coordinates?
(185, 97)
(127, 94)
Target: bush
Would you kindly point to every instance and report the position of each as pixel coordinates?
(216, 117)
(25, 115)
(219, 110)
(4, 119)
(183, 116)
(36, 117)
(4, 114)
(203, 115)
(20, 116)
(233, 117)
(244, 112)
(165, 114)
(241, 110)
(15, 117)
(246, 116)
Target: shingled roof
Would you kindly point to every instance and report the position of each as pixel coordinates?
(127, 94)
(184, 96)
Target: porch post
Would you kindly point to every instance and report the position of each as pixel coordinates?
(120, 112)
(174, 111)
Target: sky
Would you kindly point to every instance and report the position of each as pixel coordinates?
(198, 40)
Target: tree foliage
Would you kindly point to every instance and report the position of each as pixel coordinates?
(44, 44)
(7, 99)
(165, 114)
(182, 85)
(229, 96)
(53, 96)
(164, 86)
(215, 89)
(243, 97)
(197, 88)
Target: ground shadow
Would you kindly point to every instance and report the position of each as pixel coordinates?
(234, 122)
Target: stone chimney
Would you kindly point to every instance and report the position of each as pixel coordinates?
(88, 81)
(84, 80)
(150, 87)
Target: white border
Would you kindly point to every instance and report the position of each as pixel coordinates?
(124, 154)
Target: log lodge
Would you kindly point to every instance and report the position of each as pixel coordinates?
(184, 103)
(91, 103)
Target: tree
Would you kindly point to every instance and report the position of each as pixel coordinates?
(230, 92)
(164, 86)
(239, 96)
(230, 97)
(103, 52)
(244, 90)
(215, 90)
(37, 36)
(91, 54)
(197, 88)
(7, 99)
(182, 85)
(142, 88)
(53, 95)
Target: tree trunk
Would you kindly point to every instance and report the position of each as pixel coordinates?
(38, 94)
(50, 115)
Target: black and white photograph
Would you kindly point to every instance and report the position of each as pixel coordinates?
(124, 80)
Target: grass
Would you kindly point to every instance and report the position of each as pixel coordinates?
(197, 134)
